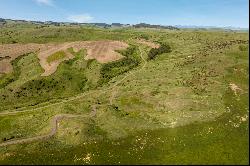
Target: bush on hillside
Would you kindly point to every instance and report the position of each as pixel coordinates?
(113, 69)
(243, 47)
(164, 48)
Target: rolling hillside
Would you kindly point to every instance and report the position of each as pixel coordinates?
(126, 95)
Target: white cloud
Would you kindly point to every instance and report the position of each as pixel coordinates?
(81, 18)
(45, 2)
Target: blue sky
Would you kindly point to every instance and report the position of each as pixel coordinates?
(164, 12)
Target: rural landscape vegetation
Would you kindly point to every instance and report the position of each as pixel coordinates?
(98, 93)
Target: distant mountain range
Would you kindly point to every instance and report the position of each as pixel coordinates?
(209, 27)
(140, 25)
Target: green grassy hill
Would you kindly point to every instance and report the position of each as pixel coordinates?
(187, 105)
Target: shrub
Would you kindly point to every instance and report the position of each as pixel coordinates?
(113, 69)
(164, 48)
(243, 48)
(144, 36)
(11, 77)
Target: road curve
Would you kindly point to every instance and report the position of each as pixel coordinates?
(54, 124)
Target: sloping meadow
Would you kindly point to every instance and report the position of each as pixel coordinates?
(176, 108)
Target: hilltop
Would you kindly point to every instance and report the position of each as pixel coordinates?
(102, 25)
(120, 25)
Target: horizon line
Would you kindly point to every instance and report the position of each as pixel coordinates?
(177, 25)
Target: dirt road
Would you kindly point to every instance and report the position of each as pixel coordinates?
(54, 128)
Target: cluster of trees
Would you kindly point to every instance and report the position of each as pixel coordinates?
(65, 77)
(9, 138)
(144, 36)
(66, 81)
(113, 69)
(11, 77)
(2, 21)
(164, 48)
(6, 57)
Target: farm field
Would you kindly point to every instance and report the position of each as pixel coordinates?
(86, 95)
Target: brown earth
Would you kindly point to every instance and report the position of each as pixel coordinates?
(234, 88)
(46, 51)
(13, 51)
(102, 51)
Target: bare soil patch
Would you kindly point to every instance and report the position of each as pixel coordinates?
(102, 51)
(12, 51)
(235, 88)
(46, 51)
